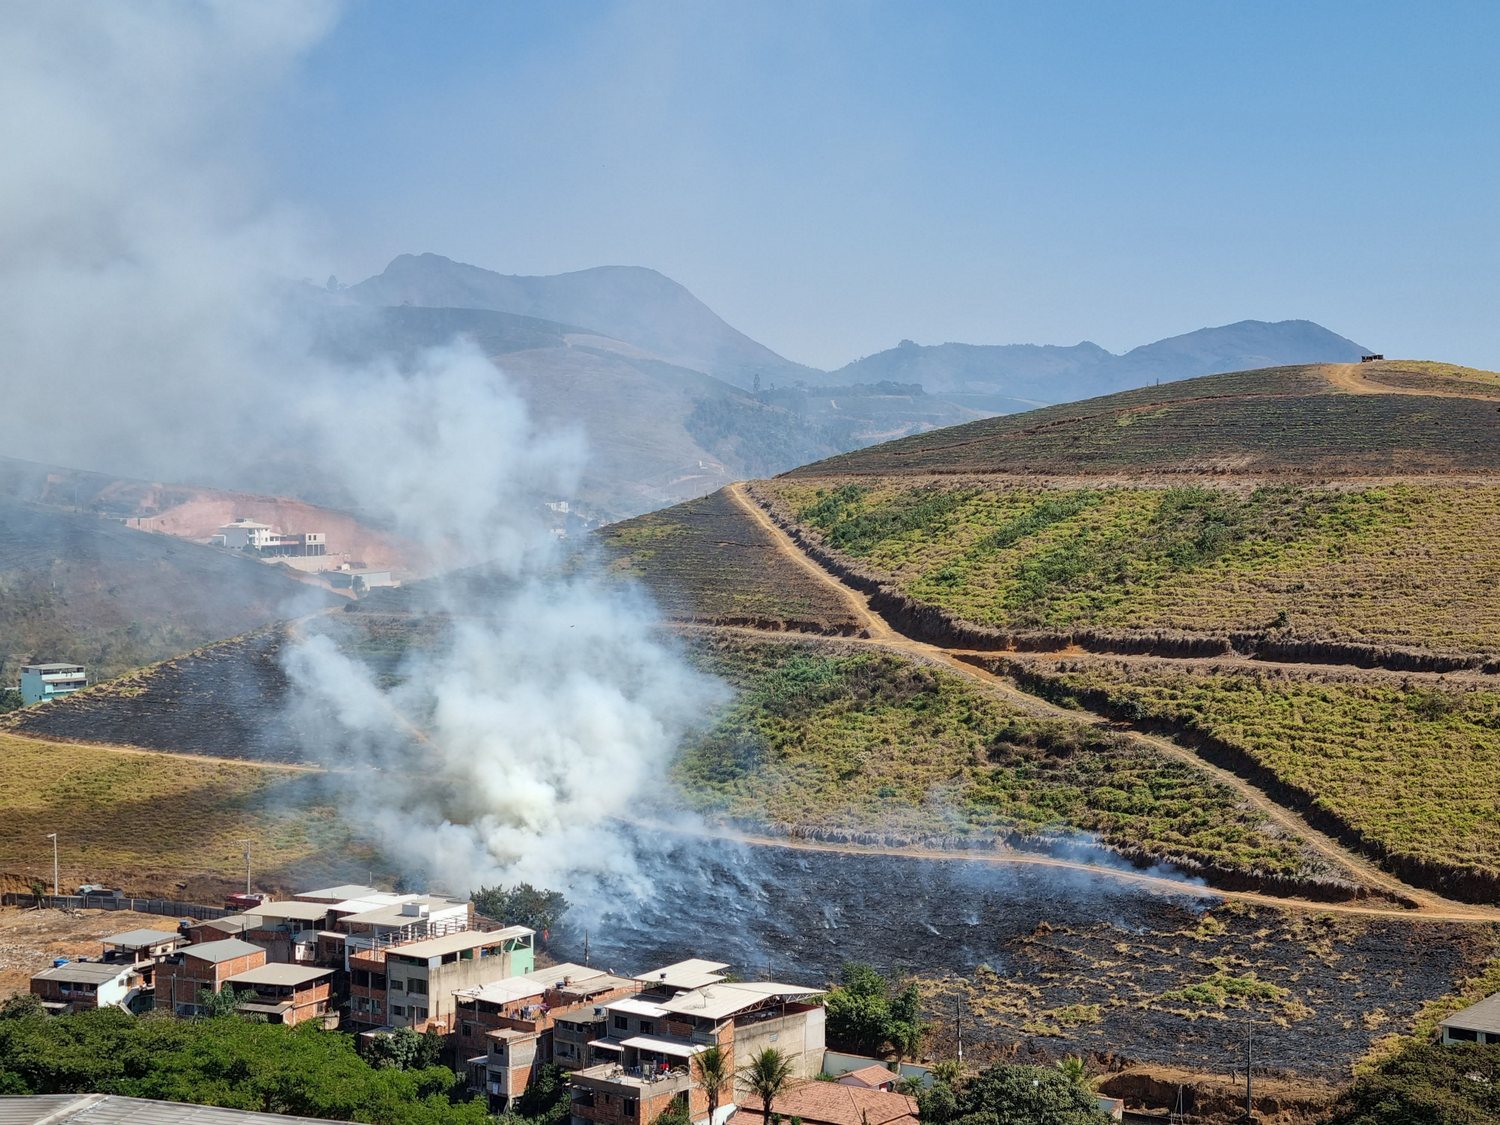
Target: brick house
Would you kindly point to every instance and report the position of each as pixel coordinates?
(78, 986)
(513, 1022)
(642, 1064)
(282, 993)
(180, 977)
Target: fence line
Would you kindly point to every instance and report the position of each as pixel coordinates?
(110, 902)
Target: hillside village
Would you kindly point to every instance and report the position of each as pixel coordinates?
(878, 564)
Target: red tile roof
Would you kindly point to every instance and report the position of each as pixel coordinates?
(870, 1077)
(830, 1103)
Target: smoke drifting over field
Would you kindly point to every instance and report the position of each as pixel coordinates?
(149, 333)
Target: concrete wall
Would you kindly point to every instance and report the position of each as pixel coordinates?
(799, 1035)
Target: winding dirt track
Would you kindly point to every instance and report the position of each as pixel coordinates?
(879, 632)
(1363, 379)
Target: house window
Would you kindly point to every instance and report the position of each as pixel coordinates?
(397, 1010)
(622, 1024)
(647, 1027)
(416, 987)
(398, 986)
(419, 1013)
(1467, 1034)
(468, 1031)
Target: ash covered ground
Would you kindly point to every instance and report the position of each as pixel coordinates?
(1053, 962)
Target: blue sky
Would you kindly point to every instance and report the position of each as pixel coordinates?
(832, 177)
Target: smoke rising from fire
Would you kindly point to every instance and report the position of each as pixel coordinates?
(149, 331)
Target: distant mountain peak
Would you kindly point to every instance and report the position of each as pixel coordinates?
(636, 304)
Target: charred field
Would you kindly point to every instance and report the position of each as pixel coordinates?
(1053, 962)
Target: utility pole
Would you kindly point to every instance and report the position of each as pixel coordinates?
(247, 865)
(55, 884)
(1249, 1072)
(958, 1022)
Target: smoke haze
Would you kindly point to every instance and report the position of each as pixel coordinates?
(147, 332)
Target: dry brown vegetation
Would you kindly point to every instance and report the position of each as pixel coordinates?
(705, 561)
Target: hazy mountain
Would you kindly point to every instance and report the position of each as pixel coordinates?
(664, 388)
(630, 303)
(1044, 374)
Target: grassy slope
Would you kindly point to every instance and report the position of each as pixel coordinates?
(846, 742)
(153, 820)
(1406, 565)
(1288, 420)
(704, 560)
(1413, 770)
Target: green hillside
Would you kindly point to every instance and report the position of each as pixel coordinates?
(1403, 565)
(1407, 771)
(842, 741)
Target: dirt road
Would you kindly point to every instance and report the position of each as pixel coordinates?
(1364, 379)
(880, 632)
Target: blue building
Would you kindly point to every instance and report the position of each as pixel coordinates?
(41, 682)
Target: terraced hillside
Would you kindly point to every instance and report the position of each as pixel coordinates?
(1409, 771)
(1395, 572)
(1326, 420)
(706, 561)
(843, 741)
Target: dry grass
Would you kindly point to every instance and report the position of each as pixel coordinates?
(151, 821)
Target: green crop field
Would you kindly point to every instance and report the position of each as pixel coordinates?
(842, 741)
(1292, 420)
(1404, 565)
(1411, 769)
(705, 560)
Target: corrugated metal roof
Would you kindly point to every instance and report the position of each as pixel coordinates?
(716, 1001)
(109, 1109)
(1483, 1016)
(692, 973)
(225, 950)
(452, 943)
(135, 939)
(301, 911)
(86, 972)
(280, 974)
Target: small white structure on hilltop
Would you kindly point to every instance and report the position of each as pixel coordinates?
(41, 682)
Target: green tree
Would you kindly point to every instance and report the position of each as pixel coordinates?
(767, 1074)
(227, 1062)
(1077, 1072)
(546, 1098)
(864, 1017)
(1426, 1084)
(20, 1006)
(522, 905)
(676, 1113)
(212, 1005)
(711, 1069)
(1012, 1095)
(403, 1049)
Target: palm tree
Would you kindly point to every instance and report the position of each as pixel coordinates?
(1077, 1072)
(711, 1068)
(767, 1075)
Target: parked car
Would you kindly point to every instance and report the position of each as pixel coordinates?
(96, 889)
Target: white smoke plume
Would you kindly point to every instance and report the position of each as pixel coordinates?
(142, 263)
(551, 708)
